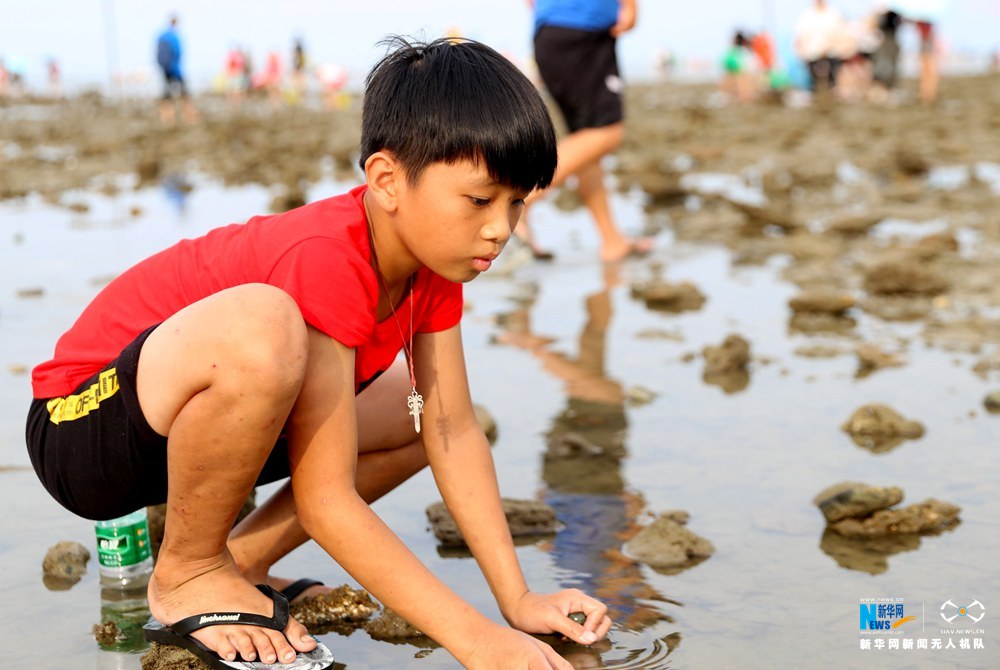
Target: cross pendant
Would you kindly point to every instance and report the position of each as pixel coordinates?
(415, 402)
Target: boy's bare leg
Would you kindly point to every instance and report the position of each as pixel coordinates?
(219, 379)
(390, 454)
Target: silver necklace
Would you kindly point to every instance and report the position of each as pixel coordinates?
(414, 401)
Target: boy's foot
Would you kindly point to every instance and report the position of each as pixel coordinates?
(629, 248)
(223, 589)
(180, 635)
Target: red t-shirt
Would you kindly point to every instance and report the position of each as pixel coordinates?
(318, 254)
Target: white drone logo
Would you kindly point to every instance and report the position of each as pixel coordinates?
(963, 611)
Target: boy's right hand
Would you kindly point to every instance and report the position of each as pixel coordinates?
(503, 648)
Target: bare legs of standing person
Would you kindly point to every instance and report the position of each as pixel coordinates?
(580, 154)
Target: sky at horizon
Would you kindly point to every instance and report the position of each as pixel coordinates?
(93, 38)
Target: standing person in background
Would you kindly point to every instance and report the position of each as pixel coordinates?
(298, 68)
(815, 34)
(575, 52)
(168, 57)
(885, 60)
(929, 75)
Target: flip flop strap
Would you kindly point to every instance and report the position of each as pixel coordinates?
(276, 621)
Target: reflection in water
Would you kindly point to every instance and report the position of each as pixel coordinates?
(583, 473)
(869, 555)
(623, 650)
(119, 634)
(176, 187)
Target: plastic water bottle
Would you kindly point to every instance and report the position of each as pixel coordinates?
(123, 551)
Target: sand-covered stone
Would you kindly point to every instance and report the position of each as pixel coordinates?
(340, 606)
(66, 561)
(855, 500)
(879, 427)
(526, 518)
(665, 296)
(822, 300)
(666, 544)
(928, 517)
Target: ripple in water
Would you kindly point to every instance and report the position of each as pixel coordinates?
(623, 650)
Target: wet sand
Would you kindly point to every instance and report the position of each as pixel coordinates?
(889, 213)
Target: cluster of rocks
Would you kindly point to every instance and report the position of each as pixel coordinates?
(864, 528)
(666, 544)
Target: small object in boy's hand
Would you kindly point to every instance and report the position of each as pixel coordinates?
(578, 617)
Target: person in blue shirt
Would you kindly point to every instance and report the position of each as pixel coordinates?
(574, 48)
(168, 57)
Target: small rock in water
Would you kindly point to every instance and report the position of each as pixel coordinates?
(992, 403)
(879, 427)
(391, 626)
(667, 545)
(855, 500)
(66, 561)
(929, 517)
(342, 605)
(525, 518)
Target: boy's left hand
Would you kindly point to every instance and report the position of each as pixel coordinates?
(549, 613)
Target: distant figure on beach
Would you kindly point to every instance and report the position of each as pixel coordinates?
(929, 75)
(168, 57)
(54, 75)
(270, 351)
(299, 64)
(271, 78)
(235, 74)
(575, 52)
(740, 74)
(885, 59)
(816, 32)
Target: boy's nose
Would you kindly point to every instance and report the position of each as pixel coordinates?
(500, 229)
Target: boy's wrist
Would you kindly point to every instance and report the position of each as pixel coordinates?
(508, 602)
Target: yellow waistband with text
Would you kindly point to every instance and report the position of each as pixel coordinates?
(81, 404)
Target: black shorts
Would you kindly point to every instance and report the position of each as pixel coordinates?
(173, 85)
(580, 71)
(96, 454)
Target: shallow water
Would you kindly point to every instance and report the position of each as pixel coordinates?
(745, 464)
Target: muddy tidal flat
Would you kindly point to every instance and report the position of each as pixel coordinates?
(797, 393)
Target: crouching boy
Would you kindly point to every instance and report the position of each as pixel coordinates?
(268, 350)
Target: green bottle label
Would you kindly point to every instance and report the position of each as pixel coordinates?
(123, 546)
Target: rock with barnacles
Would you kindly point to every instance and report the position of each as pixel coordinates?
(879, 427)
(526, 518)
(855, 500)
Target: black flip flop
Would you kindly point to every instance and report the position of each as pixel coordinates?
(295, 589)
(179, 635)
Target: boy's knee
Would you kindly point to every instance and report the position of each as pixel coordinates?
(272, 338)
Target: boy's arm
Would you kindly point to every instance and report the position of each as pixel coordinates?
(462, 464)
(322, 432)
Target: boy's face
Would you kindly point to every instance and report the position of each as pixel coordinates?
(455, 219)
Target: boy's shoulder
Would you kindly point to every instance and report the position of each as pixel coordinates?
(338, 217)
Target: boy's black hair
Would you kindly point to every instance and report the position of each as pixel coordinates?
(451, 100)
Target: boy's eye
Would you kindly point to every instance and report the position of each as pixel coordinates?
(479, 202)
(519, 202)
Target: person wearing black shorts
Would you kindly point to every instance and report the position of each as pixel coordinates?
(575, 54)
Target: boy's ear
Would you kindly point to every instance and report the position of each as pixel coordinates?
(382, 173)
